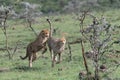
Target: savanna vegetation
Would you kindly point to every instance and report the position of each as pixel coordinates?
(17, 33)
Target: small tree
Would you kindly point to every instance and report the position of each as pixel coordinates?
(99, 36)
(4, 12)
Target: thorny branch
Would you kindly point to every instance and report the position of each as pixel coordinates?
(85, 62)
(5, 33)
(4, 19)
(30, 25)
(81, 28)
(82, 18)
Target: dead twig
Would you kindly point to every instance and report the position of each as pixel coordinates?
(30, 25)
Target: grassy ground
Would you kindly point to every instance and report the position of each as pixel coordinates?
(18, 69)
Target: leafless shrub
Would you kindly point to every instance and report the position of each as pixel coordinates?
(4, 11)
(99, 36)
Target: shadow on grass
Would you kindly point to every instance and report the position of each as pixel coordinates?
(4, 69)
(26, 68)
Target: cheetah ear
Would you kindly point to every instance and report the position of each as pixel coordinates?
(44, 30)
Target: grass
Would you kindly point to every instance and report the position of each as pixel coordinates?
(42, 70)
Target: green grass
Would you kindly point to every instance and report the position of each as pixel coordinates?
(42, 70)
